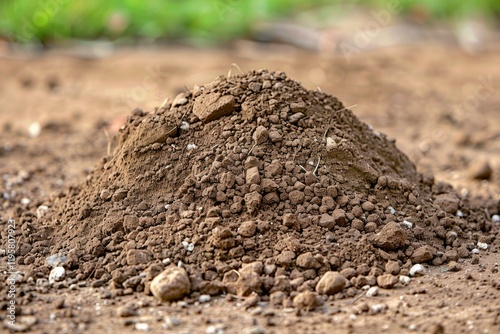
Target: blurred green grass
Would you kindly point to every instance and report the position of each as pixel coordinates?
(217, 20)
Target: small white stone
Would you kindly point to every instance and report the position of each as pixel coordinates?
(408, 224)
(190, 147)
(475, 251)
(372, 292)
(482, 245)
(34, 129)
(460, 214)
(405, 280)
(391, 210)
(25, 201)
(330, 144)
(184, 126)
(378, 308)
(204, 298)
(417, 270)
(41, 211)
(166, 261)
(142, 326)
(56, 274)
(495, 218)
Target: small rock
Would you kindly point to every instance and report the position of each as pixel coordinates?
(247, 229)
(296, 197)
(306, 300)
(308, 261)
(295, 117)
(138, 256)
(453, 266)
(340, 217)
(495, 218)
(142, 326)
(482, 245)
(391, 237)
(392, 267)
(204, 298)
(372, 292)
(422, 254)
(253, 176)
(331, 283)
(387, 281)
(260, 135)
(209, 107)
(251, 301)
(480, 170)
(405, 280)
(447, 202)
(56, 274)
(180, 100)
(331, 144)
(126, 311)
(417, 270)
(172, 284)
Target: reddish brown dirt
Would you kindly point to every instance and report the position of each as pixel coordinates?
(119, 207)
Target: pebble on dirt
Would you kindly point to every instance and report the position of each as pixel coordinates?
(417, 270)
(331, 283)
(172, 284)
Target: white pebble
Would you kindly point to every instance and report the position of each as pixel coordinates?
(204, 298)
(482, 245)
(190, 147)
(41, 211)
(417, 270)
(372, 292)
(405, 280)
(475, 251)
(166, 261)
(184, 126)
(391, 209)
(25, 201)
(378, 308)
(34, 129)
(188, 246)
(56, 274)
(141, 326)
(495, 218)
(408, 224)
(460, 214)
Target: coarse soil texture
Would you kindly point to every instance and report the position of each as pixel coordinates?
(254, 185)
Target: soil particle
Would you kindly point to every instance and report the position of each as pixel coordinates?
(212, 106)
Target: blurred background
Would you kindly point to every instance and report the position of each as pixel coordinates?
(425, 72)
(305, 23)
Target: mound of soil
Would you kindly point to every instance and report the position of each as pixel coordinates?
(254, 169)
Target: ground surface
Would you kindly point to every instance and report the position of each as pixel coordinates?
(441, 105)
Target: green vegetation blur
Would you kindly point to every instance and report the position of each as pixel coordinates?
(217, 20)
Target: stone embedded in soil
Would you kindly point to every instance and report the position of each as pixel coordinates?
(172, 284)
(447, 202)
(212, 106)
(137, 256)
(331, 283)
(387, 281)
(422, 254)
(391, 237)
(308, 261)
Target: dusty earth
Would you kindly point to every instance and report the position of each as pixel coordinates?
(59, 119)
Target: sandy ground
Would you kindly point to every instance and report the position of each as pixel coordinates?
(440, 104)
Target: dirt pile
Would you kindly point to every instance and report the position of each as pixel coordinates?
(253, 183)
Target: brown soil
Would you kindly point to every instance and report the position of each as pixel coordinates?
(259, 189)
